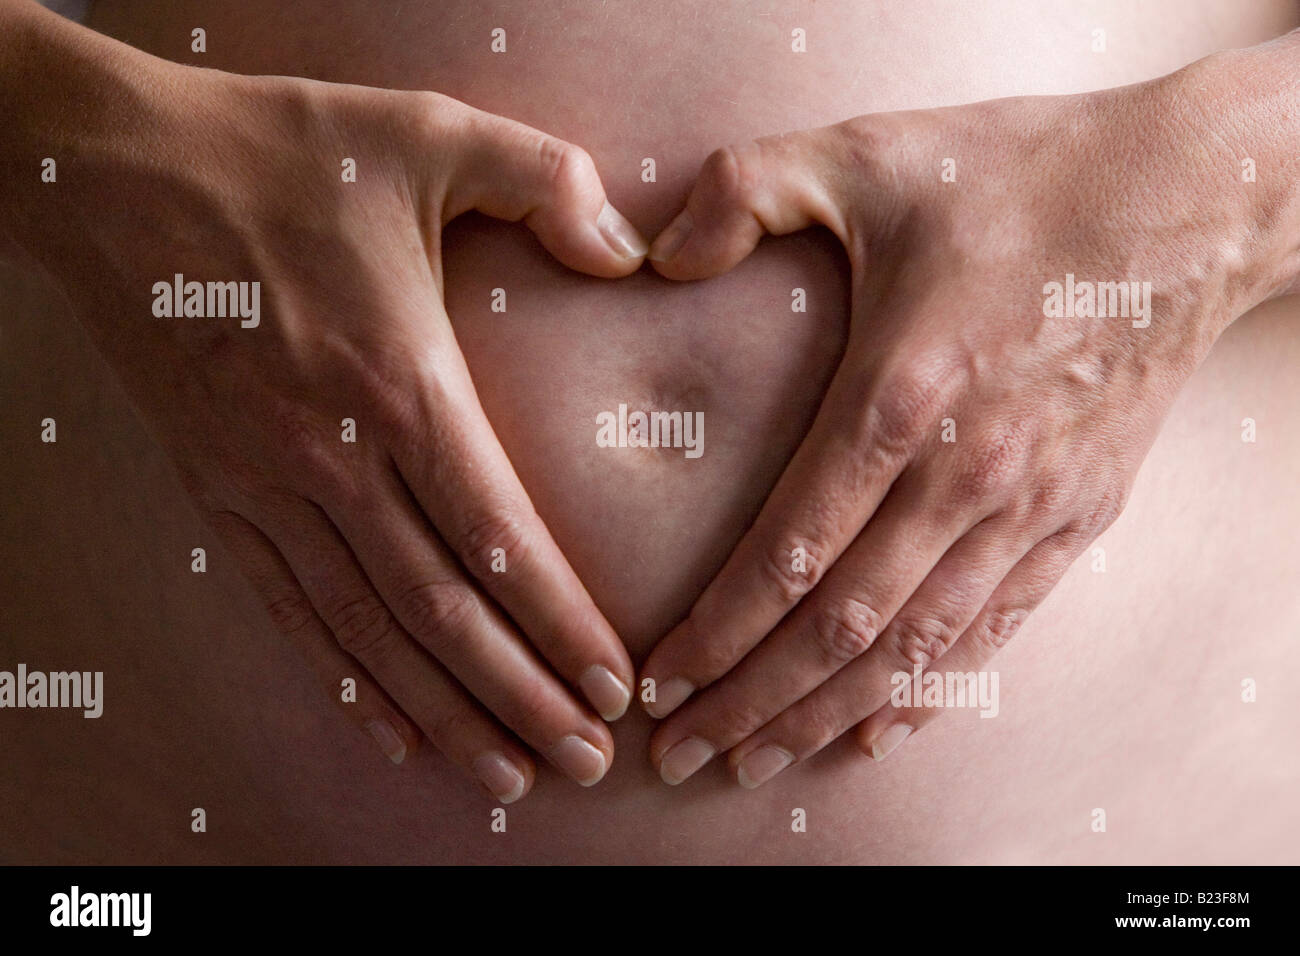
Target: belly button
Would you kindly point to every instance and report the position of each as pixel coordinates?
(656, 422)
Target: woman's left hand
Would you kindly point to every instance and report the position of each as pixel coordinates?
(979, 432)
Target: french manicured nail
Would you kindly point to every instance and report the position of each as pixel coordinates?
(609, 695)
(579, 759)
(501, 776)
(762, 765)
(889, 740)
(389, 740)
(620, 234)
(669, 696)
(684, 758)
(673, 238)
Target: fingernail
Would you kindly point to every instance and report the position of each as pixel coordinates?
(673, 238)
(579, 759)
(501, 776)
(684, 758)
(888, 741)
(669, 696)
(609, 695)
(389, 740)
(762, 765)
(620, 234)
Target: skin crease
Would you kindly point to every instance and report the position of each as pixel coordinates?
(339, 546)
(284, 775)
(957, 541)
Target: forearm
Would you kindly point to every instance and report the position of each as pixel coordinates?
(1243, 113)
(82, 100)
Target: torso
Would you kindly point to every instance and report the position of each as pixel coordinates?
(1123, 692)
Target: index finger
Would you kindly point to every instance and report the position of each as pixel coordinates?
(833, 485)
(460, 476)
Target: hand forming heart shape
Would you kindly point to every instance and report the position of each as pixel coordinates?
(1027, 299)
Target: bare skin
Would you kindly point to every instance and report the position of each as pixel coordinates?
(209, 708)
(377, 551)
(933, 503)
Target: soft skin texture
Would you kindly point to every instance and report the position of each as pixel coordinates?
(1121, 692)
(365, 550)
(933, 503)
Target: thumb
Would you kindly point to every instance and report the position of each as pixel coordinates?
(777, 184)
(511, 171)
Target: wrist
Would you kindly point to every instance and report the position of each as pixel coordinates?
(1240, 112)
(78, 99)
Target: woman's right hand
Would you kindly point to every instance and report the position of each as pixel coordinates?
(374, 556)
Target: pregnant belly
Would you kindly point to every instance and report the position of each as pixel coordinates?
(564, 370)
(1122, 693)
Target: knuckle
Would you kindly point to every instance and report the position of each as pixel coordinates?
(566, 168)
(732, 173)
(784, 579)
(973, 484)
(300, 438)
(867, 142)
(1106, 508)
(481, 534)
(345, 481)
(351, 491)
(1051, 495)
(437, 105)
(361, 624)
(437, 116)
(901, 413)
(290, 613)
(998, 627)
(989, 474)
(846, 631)
(876, 150)
(819, 722)
(986, 478)
(437, 611)
(919, 642)
(398, 394)
(295, 433)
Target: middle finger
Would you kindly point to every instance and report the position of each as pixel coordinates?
(833, 626)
